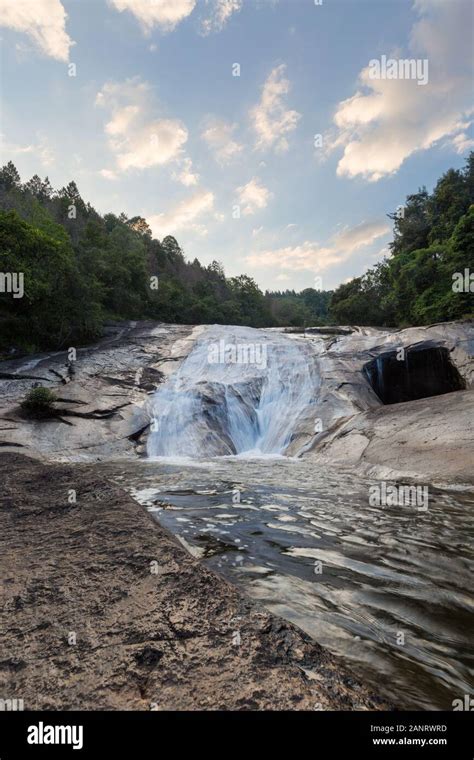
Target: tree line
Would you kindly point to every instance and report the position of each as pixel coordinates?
(419, 283)
(82, 269)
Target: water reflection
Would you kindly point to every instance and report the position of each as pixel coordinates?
(387, 589)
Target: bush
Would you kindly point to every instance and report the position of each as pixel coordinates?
(39, 402)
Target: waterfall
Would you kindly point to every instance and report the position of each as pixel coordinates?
(240, 390)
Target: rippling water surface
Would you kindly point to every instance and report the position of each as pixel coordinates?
(386, 588)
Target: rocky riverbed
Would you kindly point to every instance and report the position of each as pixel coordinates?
(170, 638)
(103, 609)
(105, 407)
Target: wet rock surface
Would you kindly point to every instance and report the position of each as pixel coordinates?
(428, 440)
(309, 544)
(420, 438)
(103, 609)
(165, 640)
(102, 407)
(108, 404)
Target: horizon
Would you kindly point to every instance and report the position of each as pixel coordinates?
(305, 147)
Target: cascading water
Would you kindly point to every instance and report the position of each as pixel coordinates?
(240, 390)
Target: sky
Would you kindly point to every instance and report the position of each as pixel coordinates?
(259, 133)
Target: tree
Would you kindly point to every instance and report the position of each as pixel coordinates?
(71, 192)
(447, 204)
(411, 224)
(40, 189)
(53, 303)
(172, 249)
(9, 177)
(140, 225)
(433, 240)
(101, 268)
(34, 185)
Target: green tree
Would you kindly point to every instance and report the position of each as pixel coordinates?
(9, 177)
(49, 313)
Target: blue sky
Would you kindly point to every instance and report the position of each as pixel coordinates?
(155, 123)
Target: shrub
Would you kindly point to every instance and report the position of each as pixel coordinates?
(39, 402)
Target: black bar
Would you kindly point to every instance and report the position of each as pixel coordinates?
(166, 734)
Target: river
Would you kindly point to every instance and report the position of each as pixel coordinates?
(385, 588)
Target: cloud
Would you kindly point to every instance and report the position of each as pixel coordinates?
(153, 144)
(387, 120)
(44, 21)
(184, 215)
(272, 121)
(462, 143)
(315, 257)
(108, 174)
(253, 196)
(218, 136)
(165, 14)
(185, 173)
(221, 12)
(41, 150)
(136, 137)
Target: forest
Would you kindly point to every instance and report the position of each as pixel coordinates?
(82, 269)
(433, 244)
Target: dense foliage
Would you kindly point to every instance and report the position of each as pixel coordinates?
(433, 246)
(81, 268)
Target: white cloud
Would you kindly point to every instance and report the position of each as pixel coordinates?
(271, 119)
(387, 120)
(253, 196)
(41, 150)
(153, 144)
(218, 135)
(462, 143)
(185, 173)
(184, 215)
(45, 153)
(121, 120)
(108, 174)
(44, 21)
(138, 140)
(315, 257)
(221, 11)
(165, 14)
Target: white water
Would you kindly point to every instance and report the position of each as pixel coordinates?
(214, 407)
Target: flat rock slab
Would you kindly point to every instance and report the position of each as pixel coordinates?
(104, 403)
(103, 609)
(430, 439)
